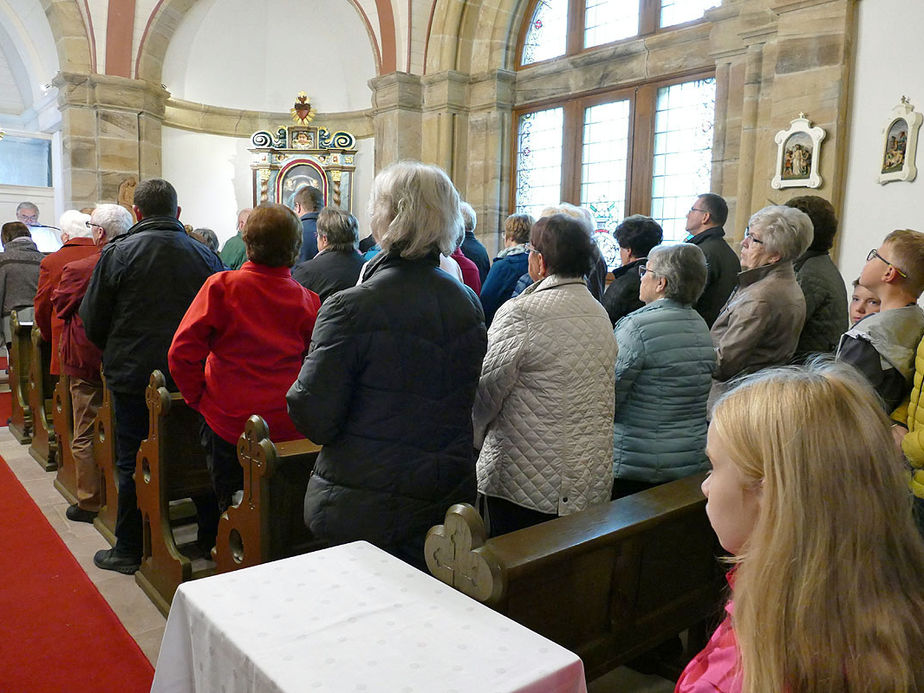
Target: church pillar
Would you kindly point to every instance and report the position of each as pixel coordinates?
(110, 131)
(396, 117)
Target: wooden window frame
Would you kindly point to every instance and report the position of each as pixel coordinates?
(640, 153)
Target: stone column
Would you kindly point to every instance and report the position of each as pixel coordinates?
(396, 117)
(110, 130)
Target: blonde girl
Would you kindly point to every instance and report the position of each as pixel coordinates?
(808, 494)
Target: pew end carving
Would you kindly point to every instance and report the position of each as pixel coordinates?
(267, 524)
(20, 365)
(170, 466)
(105, 456)
(63, 421)
(44, 445)
(608, 583)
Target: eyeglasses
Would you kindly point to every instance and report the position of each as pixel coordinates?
(643, 269)
(875, 253)
(91, 225)
(751, 238)
(701, 211)
(532, 249)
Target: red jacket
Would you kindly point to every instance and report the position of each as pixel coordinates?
(469, 271)
(240, 346)
(49, 276)
(79, 356)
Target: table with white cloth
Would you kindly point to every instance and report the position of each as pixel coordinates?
(349, 618)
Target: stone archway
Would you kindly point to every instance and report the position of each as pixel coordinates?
(72, 41)
(474, 37)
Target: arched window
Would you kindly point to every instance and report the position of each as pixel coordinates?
(640, 149)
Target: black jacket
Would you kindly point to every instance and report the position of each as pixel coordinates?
(387, 388)
(140, 290)
(722, 276)
(475, 251)
(621, 296)
(329, 271)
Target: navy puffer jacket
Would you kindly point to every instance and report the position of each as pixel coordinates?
(387, 388)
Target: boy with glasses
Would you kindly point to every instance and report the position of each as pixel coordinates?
(882, 346)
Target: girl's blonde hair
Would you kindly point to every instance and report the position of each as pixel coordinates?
(829, 591)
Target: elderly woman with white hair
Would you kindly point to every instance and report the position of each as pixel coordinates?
(663, 374)
(760, 324)
(388, 384)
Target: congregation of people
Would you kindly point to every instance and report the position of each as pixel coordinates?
(530, 386)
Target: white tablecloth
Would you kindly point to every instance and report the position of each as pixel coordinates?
(349, 618)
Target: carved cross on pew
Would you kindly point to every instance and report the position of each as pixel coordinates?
(454, 554)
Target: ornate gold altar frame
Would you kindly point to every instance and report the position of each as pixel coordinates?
(298, 155)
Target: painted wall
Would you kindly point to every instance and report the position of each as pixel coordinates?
(212, 177)
(268, 52)
(889, 53)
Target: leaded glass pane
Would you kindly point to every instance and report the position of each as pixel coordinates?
(539, 146)
(680, 11)
(547, 34)
(604, 162)
(682, 166)
(606, 21)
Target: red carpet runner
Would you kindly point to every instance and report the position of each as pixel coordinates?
(57, 633)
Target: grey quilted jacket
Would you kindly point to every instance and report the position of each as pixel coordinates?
(543, 412)
(826, 317)
(663, 376)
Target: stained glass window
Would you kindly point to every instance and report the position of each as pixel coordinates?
(606, 21)
(682, 165)
(603, 162)
(680, 11)
(547, 33)
(539, 148)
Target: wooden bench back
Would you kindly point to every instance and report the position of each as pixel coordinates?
(170, 466)
(62, 417)
(268, 524)
(21, 420)
(44, 445)
(104, 452)
(608, 583)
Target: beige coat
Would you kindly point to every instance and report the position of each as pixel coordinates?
(759, 326)
(543, 412)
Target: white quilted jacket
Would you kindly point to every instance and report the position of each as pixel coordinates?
(544, 409)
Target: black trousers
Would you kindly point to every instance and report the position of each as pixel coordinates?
(224, 467)
(505, 517)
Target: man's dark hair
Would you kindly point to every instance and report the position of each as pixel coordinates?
(824, 220)
(716, 206)
(155, 197)
(639, 234)
(309, 196)
(13, 229)
(272, 236)
(564, 244)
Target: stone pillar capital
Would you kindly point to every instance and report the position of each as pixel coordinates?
(111, 93)
(396, 91)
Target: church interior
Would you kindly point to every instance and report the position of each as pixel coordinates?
(524, 103)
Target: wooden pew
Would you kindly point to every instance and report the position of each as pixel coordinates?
(170, 466)
(44, 445)
(63, 421)
(268, 524)
(104, 451)
(20, 364)
(608, 583)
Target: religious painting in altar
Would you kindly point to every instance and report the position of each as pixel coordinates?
(297, 155)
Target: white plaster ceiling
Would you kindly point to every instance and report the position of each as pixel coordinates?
(258, 54)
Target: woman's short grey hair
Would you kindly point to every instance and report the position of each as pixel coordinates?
(207, 237)
(683, 267)
(340, 228)
(414, 210)
(582, 214)
(74, 224)
(115, 219)
(785, 231)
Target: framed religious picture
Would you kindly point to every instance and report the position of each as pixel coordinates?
(295, 175)
(900, 144)
(798, 155)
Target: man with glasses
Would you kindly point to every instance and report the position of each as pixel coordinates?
(77, 237)
(704, 224)
(882, 345)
